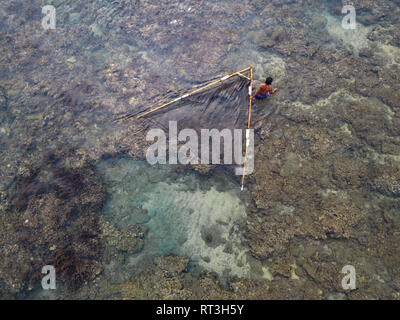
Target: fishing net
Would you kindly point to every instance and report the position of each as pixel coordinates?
(221, 106)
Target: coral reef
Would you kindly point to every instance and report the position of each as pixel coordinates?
(51, 219)
(325, 190)
(120, 241)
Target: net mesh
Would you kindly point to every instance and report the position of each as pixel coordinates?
(221, 106)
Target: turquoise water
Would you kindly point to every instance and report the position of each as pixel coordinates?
(75, 190)
(186, 214)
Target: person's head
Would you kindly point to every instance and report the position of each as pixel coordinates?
(269, 80)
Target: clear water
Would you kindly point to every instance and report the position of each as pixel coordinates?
(185, 214)
(327, 144)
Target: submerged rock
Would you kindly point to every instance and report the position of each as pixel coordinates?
(186, 216)
(326, 153)
(51, 218)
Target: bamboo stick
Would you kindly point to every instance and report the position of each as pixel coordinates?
(243, 76)
(248, 126)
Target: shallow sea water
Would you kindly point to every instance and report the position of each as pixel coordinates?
(184, 214)
(61, 89)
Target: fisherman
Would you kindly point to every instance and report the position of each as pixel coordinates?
(264, 90)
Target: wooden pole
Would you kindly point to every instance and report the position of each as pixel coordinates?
(248, 126)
